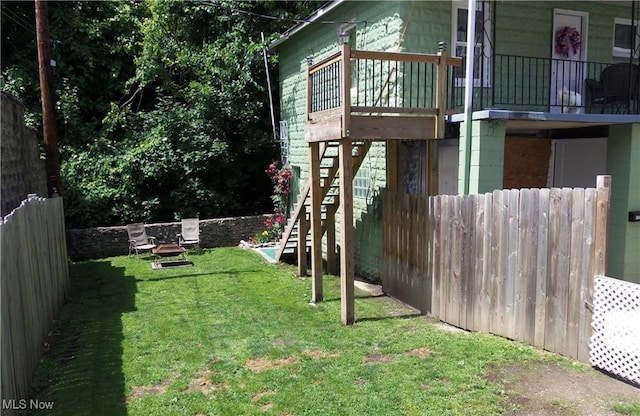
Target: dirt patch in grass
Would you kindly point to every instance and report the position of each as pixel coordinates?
(320, 354)
(540, 389)
(418, 352)
(377, 358)
(258, 396)
(282, 342)
(202, 383)
(138, 392)
(258, 365)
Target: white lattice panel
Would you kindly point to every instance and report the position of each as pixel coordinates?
(615, 344)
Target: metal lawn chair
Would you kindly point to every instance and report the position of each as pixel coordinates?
(618, 89)
(190, 233)
(138, 239)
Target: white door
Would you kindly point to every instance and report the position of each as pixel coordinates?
(568, 53)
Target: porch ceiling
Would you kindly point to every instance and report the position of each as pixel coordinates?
(532, 120)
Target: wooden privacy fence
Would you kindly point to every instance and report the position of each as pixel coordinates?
(34, 284)
(518, 263)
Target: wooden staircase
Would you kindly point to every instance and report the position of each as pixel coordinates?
(330, 195)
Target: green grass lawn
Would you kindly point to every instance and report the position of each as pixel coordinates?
(234, 335)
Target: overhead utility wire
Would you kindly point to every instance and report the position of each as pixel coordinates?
(17, 20)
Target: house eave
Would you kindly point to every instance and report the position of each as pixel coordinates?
(308, 21)
(532, 120)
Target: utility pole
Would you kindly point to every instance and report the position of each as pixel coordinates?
(49, 128)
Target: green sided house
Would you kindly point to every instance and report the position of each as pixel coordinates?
(373, 97)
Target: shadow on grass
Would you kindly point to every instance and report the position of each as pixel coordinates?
(182, 276)
(384, 318)
(362, 296)
(82, 373)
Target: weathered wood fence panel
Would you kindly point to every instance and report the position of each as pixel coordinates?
(34, 284)
(517, 263)
(407, 250)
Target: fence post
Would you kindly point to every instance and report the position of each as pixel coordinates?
(603, 185)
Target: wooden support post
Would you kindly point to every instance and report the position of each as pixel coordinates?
(441, 94)
(432, 168)
(332, 261)
(345, 162)
(303, 229)
(316, 222)
(346, 236)
(392, 165)
(346, 90)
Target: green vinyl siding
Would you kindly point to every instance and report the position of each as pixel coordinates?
(524, 28)
(428, 24)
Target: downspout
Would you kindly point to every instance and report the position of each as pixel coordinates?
(468, 91)
(635, 34)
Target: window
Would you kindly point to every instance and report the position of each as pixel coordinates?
(284, 142)
(361, 183)
(625, 38)
(482, 63)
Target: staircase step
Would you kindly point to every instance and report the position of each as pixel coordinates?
(330, 184)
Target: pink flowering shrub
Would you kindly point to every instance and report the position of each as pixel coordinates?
(281, 178)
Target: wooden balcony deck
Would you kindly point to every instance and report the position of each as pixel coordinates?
(385, 96)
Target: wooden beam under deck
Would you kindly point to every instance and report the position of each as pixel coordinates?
(324, 130)
(392, 127)
(373, 128)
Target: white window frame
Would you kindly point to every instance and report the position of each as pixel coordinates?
(362, 183)
(284, 142)
(455, 43)
(623, 52)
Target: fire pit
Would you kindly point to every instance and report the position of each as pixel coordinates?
(169, 250)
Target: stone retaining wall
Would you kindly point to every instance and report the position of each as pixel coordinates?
(92, 243)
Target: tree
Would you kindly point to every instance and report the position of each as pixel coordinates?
(162, 105)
